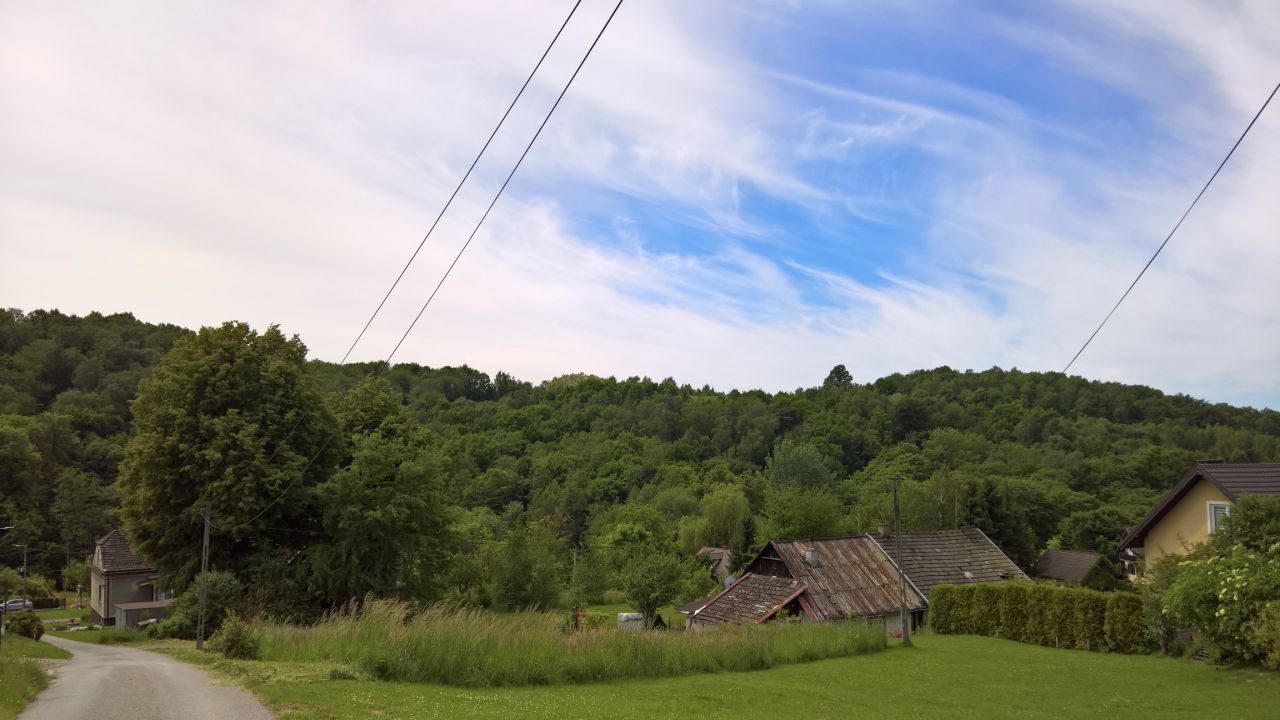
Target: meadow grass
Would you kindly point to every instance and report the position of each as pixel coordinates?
(20, 677)
(101, 636)
(943, 676)
(474, 648)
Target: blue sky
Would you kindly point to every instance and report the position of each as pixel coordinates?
(735, 193)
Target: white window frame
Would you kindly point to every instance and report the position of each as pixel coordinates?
(1213, 528)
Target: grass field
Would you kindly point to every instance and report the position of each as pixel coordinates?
(63, 614)
(943, 676)
(20, 677)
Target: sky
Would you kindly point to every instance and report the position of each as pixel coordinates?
(740, 194)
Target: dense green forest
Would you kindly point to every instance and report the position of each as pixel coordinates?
(328, 482)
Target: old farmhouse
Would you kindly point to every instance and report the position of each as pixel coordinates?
(855, 577)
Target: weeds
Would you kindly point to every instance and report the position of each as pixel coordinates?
(473, 648)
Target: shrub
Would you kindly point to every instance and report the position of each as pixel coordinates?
(1090, 619)
(1225, 596)
(1268, 636)
(984, 612)
(1062, 618)
(1014, 598)
(24, 623)
(943, 606)
(120, 636)
(1123, 624)
(178, 625)
(224, 596)
(236, 639)
(1040, 603)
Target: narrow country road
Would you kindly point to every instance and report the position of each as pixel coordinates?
(104, 682)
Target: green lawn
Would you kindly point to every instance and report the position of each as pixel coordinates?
(63, 614)
(943, 676)
(20, 677)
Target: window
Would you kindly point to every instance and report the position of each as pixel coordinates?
(1217, 512)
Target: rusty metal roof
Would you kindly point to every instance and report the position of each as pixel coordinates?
(753, 598)
(852, 578)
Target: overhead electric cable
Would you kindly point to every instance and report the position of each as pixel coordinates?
(443, 209)
(387, 363)
(461, 182)
(1174, 230)
(505, 182)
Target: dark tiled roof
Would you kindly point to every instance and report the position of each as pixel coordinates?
(1239, 478)
(1233, 479)
(853, 577)
(754, 598)
(721, 560)
(117, 556)
(694, 606)
(1067, 565)
(954, 557)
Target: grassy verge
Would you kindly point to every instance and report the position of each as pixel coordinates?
(943, 676)
(63, 614)
(480, 649)
(21, 678)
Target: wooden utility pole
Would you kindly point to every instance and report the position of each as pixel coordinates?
(903, 621)
(204, 580)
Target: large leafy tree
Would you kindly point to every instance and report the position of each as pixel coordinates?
(385, 522)
(227, 419)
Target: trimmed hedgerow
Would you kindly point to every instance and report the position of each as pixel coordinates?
(1013, 611)
(984, 614)
(1123, 625)
(1091, 615)
(1040, 613)
(1040, 628)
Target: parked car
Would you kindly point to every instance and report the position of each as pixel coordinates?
(16, 604)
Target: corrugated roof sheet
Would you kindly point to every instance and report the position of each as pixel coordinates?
(853, 577)
(954, 557)
(752, 598)
(117, 556)
(1066, 565)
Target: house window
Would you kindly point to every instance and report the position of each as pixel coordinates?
(1218, 511)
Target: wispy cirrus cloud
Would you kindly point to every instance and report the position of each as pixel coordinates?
(737, 194)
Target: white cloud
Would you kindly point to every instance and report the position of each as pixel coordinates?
(278, 164)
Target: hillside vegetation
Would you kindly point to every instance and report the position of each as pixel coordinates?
(431, 483)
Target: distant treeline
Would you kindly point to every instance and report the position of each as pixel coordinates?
(513, 477)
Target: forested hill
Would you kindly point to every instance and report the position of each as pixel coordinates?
(1032, 458)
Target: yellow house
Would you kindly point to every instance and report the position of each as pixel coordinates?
(1196, 506)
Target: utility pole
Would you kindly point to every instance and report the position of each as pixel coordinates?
(903, 622)
(204, 579)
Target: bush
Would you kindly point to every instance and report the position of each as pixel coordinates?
(121, 636)
(1062, 618)
(1268, 636)
(1014, 599)
(1225, 596)
(1124, 623)
(236, 639)
(943, 605)
(1090, 619)
(984, 612)
(1040, 627)
(24, 623)
(224, 596)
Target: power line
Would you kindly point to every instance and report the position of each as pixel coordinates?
(1174, 230)
(386, 363)
(395, 283)
(505, 182)
(460, 184)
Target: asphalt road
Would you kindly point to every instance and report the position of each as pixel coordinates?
(105, 682)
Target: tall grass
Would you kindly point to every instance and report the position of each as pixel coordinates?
(478, 649)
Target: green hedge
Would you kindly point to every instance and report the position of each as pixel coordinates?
(1040, 613)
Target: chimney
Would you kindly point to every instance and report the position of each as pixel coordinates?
(811, 557)
(884, 528)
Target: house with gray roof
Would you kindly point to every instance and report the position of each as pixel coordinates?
(118, 576)
(1070, 566)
